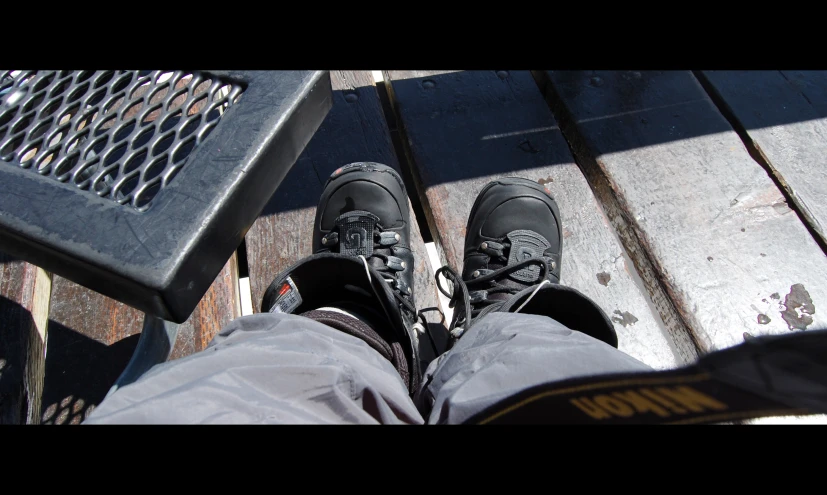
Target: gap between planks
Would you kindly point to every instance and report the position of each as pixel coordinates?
(405, 155)
(807, 218)
(645, 268)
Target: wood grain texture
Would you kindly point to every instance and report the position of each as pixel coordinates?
(464, 129)
(92, 337)
(733, 257)
(24, 309)
(782, 116)
(354, 130)
(220, 305)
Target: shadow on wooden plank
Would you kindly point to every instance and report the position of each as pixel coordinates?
(664, 89)
(598, 108)
(15, 322)
(763, 98)
(335, 144)
(91, 339)
(24, 306)
(71, 391)
(453, 94)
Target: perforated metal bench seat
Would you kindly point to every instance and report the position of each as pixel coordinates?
(141, 184)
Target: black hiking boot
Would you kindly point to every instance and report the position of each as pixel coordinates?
(362, 264)
(513, 255)
(364, 211)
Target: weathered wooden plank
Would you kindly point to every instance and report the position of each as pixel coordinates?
(354, 130)
(464, 129)
(731, 254)
(781, 115)
(220, 305)
(24, 310)
(92, 337)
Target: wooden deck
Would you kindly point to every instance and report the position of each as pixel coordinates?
(694, 211)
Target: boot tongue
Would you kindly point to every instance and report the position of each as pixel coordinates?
(356, 232)
(525, 244)
(356, 237)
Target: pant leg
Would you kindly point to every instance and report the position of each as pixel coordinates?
(505, 353)
(268, 368)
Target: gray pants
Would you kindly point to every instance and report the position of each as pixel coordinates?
(280, 368)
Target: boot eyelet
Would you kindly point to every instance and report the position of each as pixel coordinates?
(397, 237)
(476, 274)
(404, 265)
(324, 241)
(553, 265)
(484, 245)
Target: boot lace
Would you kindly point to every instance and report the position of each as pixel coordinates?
(381, 260)
(471, 298)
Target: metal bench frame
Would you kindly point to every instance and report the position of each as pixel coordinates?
(159, 256)
(162, 260)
